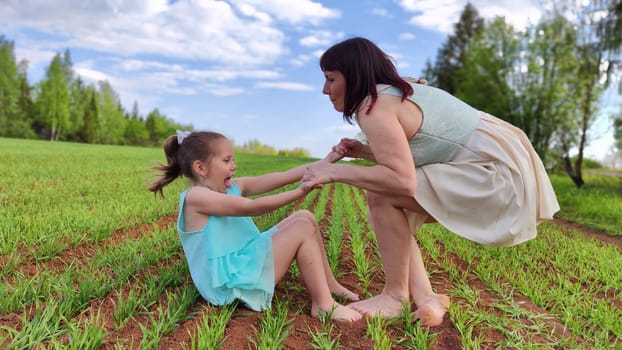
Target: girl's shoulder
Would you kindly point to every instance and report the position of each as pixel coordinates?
(234, 190)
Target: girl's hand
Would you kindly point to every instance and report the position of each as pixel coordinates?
(308, 186)
(333, 156)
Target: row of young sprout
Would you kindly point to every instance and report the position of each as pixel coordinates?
(502, 271)
(564, 275)
(59, 196)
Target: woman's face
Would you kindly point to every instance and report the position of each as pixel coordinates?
(335, 88)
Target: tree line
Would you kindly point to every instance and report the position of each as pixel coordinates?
(63, 107)
(548, 79)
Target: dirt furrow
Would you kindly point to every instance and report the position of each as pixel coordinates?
(76, 255)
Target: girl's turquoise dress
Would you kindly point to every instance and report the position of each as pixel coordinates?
(230, 259)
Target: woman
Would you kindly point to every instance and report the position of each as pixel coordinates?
(436, 160)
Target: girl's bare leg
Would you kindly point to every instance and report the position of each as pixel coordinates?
(296, 239)
(335, 287)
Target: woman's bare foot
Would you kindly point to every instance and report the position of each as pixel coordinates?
(339, 290)
(337, 312)
(432, 310)
(382, 305)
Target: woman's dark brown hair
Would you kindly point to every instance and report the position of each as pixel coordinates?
(363, 65)
(180, 156)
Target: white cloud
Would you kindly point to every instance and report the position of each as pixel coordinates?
(285, 85)
(341, 128)
(440, 15)
(319, 38)
(222, 90)
(407, 36)
(301, 60)
(295, 11)
(382, 12)
(90, 74)
(207, 30)
(34, 56)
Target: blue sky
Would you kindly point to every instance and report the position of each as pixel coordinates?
(246, 68)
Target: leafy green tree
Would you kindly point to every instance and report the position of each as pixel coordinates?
(544, 86)
(617, 132)
(67, 65)
(451, 55)
(53, 100)
(110, 120)
(160, 127)
(9, 86)
(256, 147)
(594, 59)
(610, 34)
(79, 99)
(136, 132)
(21, 125)
(298, 152)
(489, 63)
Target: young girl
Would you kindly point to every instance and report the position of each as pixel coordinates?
(229, 258)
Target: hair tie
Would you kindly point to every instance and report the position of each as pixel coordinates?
(181, 135)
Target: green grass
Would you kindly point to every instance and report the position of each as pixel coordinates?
(596, 205)
(58, 197)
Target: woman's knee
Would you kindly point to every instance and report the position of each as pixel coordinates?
(375, 200)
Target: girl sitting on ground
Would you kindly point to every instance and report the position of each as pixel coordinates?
(228, 257)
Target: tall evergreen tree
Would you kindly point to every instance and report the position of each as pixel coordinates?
(489, 62)
(160, 127)
(88, 131)
(136, 132)
(451, 56)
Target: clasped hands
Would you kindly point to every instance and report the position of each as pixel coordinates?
(318, 173)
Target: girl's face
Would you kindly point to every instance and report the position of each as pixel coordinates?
(220, 168)
(335, 88)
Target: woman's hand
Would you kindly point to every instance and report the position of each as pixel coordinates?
(316, 175)
(350, 148)
(417, 80)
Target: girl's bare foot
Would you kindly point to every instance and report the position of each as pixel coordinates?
(432, 310)
(344, 292)
(337, 312)
(382, 305)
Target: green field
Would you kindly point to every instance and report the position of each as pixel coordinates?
(89, 259)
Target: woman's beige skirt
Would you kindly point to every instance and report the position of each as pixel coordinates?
(495, 192)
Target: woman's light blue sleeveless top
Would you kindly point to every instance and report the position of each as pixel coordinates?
(229, 258)
(446, 126)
